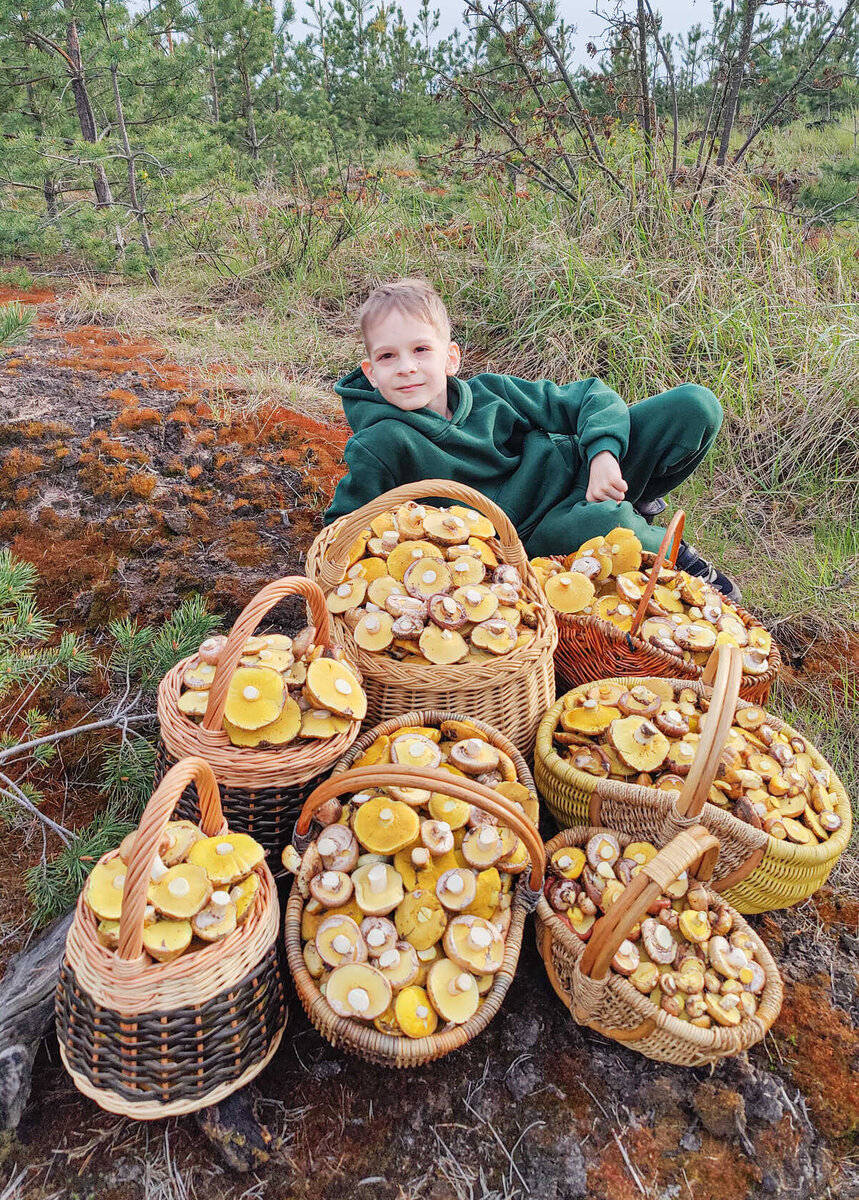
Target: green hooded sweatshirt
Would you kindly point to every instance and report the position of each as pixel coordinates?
(523, 444)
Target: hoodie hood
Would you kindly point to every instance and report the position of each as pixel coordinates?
(365, 405)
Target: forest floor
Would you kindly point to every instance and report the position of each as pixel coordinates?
(131, 483)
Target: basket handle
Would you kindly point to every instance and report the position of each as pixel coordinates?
(155, 817)
(726, 664)
(671, 540)
(247, 621)
(435, 781)
(333, 565)
(681, 853)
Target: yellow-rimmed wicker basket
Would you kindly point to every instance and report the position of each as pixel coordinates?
(433, 718)
(364, 1040)
(755, 872)
(581, 974)
(511, 693)
(590, 648)
(262, 790)
(149, 1039)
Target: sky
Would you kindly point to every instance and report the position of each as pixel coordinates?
(677, 16)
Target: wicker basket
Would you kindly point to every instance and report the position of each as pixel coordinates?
(590, 648)
(365, 1040)
(512, 694)
(580, 972)
(149, 1039)
(432, 717)
(262, 791)
(756, 872)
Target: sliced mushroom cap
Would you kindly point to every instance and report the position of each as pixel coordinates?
(602, 848)
(378, 889)
(217, 920)
(165, 940)
(645, 977)
(380, 934)
(495, 635)
(452, 991)
(561, 893)
(182, 891)
(456, 889)
(474, 944)
(227, 858)
(415, 1014)
(627, 959)
(658, 941)
(358, 990)
(331, 888)
(474, 756)
(581, 922)
(639, 701)
(339, 940)
(338, 848)
(399, 964)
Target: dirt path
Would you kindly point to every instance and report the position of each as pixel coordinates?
(120, 484)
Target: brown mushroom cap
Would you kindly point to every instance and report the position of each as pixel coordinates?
(437, 837)
(658, 942)
(331, 888)
(627, 959)
(474, 756)
(339, 940)
(217, 920)
(456, 889)
(474, 944)
(379, 933)
(485, 846)
(399, 964)
(338, 848)
(602, 848)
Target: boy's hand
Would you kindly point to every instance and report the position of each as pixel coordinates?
(606, 481)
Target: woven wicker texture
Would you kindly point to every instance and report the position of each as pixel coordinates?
(433, 718)
(607, 1002)
(243, 766)
(510, 694)
(154, 1039)
(365, 1040)
(590, 648)
(755, 872)
(267, 814)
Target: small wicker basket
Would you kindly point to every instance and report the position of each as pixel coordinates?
(365, 1040)
(755, 872)
(432, 717)
(512, 693)
(590, 648)
(148, 1039)
(580, 972)
(262, 791)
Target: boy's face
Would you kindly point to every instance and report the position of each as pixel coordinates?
(409, 361)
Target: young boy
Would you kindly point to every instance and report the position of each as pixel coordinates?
(565, 462)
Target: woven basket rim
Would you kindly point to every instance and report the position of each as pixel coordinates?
(724, 1039)
(618, 790)
(112, 983)
(404, 1051)
(233, 764)
(569, 622)
(432, 716)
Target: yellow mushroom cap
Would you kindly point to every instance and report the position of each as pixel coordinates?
(227, 858)
(255, 697)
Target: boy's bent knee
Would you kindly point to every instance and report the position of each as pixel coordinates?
(702, 407)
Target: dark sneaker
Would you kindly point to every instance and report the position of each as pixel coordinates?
(690, 561)
(650, 509)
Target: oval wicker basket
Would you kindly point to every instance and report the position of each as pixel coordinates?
(512, 694)
(149, 1039)
(262, 791)
(580, 972)
(590, 648)
(755, 872)
(365, 1040)
(432, 717)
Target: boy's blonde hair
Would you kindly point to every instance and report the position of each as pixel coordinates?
(414, 297)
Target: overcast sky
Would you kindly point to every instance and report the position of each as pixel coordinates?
(677, 16)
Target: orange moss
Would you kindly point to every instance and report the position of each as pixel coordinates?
(142, 485)
(836, 909)
(135, 418)
(244, 545)
(195, 472)
(12, 521)
(123, 396)
(18, 463)
(823, 1048)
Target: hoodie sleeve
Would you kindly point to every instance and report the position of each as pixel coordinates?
(366, 479)
(588, 410)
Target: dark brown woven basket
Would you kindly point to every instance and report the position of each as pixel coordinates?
(150, 1039)
(590, 648)
(267, 814)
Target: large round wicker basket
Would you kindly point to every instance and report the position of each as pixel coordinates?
(511, 693)
(590, 648)
(355, 1036)
(262, 790)
(580, 972)
(756, 872)
(149, 1039)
